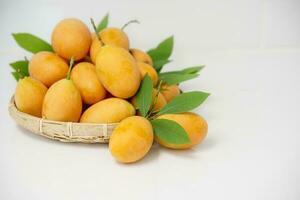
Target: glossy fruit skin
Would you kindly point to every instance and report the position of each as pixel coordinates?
(195, 126)
(111, 110)
(159, 104)
(29, 96)
(131, 139)
(170, 92)
(71, 38)
(47, 67)
(86, 80)
(114, 37)
(62, 102)
(118, 71)
(95, 49)
(141, 56)
(148, 69)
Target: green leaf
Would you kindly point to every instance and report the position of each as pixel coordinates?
(159, 64)
(144, 95)
(193, 70)
(103, 24)
(31, 43)
(20, 66)
(16, 75)
(184, 102)
(162, 52)
(170, 131)
(20, 69)
(175, 78)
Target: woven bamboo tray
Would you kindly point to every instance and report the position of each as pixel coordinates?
(62, 131)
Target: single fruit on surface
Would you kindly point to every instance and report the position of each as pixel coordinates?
(118, 71)
(110, 110)
(47, 67)
(62, 102)
(131, 139)
(141, 56)
(114, 37)
(86, 80)
(148, 69)
(195, 126)
(159, 103)
(29, 96)
(95, 48)
(71, 38)
(170, 92)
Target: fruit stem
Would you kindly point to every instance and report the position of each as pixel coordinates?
(95, 28)
(70, 68)
(155, 100)
(130, 22)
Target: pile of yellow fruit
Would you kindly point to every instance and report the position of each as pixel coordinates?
(96, 77)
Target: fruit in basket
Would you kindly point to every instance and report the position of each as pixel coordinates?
(95, 48)
(29, 96)
(118, 71)
(71, 38)
(111, 110)
(47, 67)
(62, 102)
(131, 139)
(148, 69)
(114, 37)
(141, 56)
(195, 126)
(170, 92)
(160, 101)
(86, 80)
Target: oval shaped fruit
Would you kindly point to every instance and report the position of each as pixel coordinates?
(159, 104)
(95, 48)
(62, 102)
(170, 92)
(148, 69)
(111, 110)
(114, 37)
(195, 126)
(47, 67)
(141, 56)
(86, 80)
(29, 96)
(118, 71)
(131, 139)
(71, 38)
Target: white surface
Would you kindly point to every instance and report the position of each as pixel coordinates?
(252, 53)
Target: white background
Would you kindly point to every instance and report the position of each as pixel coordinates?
(252, 53)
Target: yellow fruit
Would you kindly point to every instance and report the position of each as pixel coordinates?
(170, 92)
(131, 139)
(114, 37)
(141, 56)
(148, 69)
(62, 102)
(47, 67)
(71, 38)
(86, 80)
(110, 110)
(29, 96)
(194, 125)
(95, 48)
(159, 104)
(118, 71)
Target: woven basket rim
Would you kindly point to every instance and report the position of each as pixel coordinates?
(62, 131)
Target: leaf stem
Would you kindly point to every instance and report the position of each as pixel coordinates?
(70, 68)
(130, 22)
(95, 28)
(151, 111)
